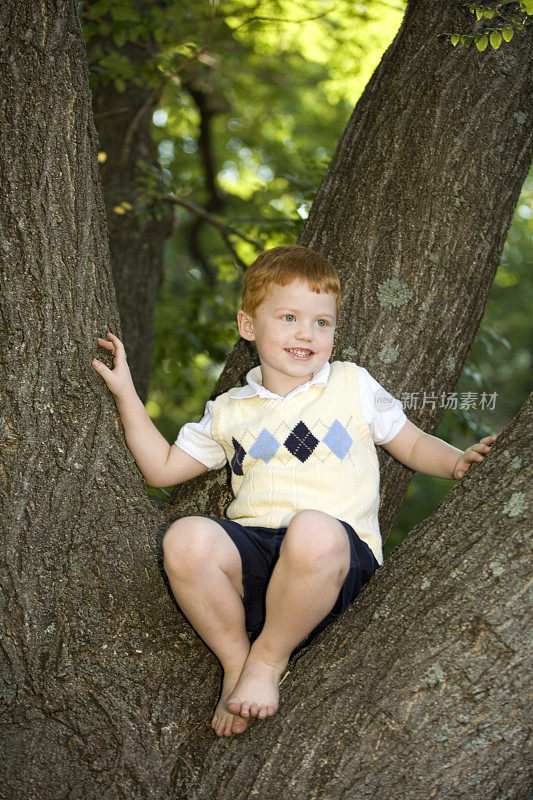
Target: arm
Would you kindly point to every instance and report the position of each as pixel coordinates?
(160, 463)
(433, 456)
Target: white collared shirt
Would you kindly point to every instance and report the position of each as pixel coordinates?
(382, 412)
(254, 384)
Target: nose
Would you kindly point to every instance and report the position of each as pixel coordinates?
(304, 331)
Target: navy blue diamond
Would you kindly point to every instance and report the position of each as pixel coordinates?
(301, 442)
(238, 458)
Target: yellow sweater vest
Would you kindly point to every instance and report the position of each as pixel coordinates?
(312, 451)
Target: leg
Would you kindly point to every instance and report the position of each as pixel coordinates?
(204, 569)
(313, 563)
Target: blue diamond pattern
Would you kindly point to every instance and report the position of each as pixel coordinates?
(236, 461)
(265, 446)
(338, 439)
(301, 442)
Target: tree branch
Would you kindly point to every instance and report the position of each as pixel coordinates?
(221, 225)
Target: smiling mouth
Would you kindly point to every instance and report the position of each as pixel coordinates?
(299, 352)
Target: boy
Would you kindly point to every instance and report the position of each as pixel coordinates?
(300, 441)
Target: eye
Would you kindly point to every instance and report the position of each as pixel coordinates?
(322, 323)
(289, 317)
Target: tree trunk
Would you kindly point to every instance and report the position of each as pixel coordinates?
(136, 238)
(108, 692)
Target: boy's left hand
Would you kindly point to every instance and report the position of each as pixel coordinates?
(473, 453)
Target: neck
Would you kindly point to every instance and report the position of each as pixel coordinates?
(283, 384)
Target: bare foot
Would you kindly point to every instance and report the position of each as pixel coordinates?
(224, 723)
(256, 693)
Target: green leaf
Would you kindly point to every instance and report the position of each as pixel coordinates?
(489, 14)
(120, 84)
(479, 13)
(186, 48)
(120, 37)
(124, 14)
(99, 8)
(466, 40)
(455, 38)
(495, 39)
(482, 43)
(507, 34)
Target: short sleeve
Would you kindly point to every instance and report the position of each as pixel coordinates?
(196, 440)
(382, 412)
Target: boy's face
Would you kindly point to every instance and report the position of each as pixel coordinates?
(293, 331)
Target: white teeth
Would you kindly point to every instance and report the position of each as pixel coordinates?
(300, 352)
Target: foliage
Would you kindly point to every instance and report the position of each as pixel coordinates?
(269, 156)
(502, 28)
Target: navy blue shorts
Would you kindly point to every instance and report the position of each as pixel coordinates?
(259, 550)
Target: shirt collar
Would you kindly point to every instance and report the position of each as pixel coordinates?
(254, 387)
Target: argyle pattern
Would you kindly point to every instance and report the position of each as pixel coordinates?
(265, 446)
(300, 442)
(238, 458)
(311, 451)
(338, 439)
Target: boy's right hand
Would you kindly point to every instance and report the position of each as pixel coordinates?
(118, 379)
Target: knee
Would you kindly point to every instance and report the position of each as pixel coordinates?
(186, 545)
(315, 540)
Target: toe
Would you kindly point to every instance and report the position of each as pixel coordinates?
(262, 713)
(239, 725)
(254, 708)
(245, 710)
(234, 705)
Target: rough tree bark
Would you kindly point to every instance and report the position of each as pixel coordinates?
(136, 238)
(107, 692)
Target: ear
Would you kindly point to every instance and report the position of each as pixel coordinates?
(245, 323)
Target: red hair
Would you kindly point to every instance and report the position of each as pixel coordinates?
(284, 264)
